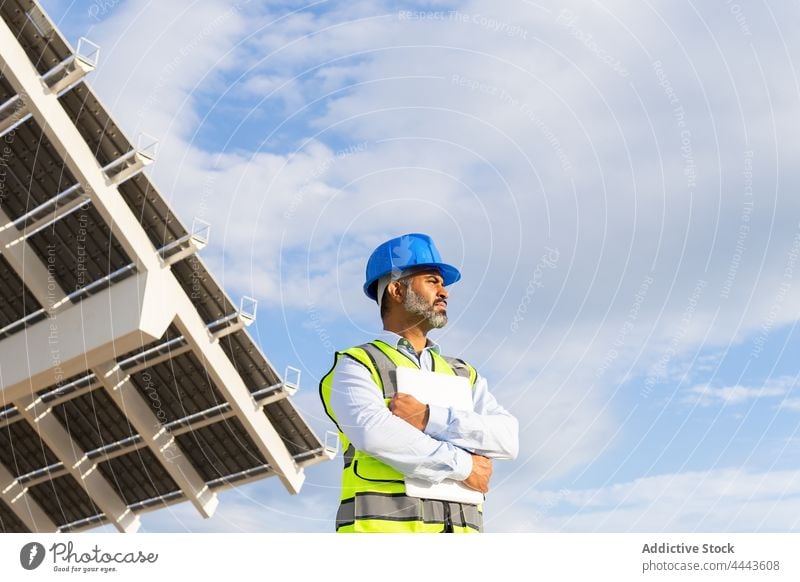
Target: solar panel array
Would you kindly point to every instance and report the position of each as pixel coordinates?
(129, 381)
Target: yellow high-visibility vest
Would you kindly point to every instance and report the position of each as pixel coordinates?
(373, 493)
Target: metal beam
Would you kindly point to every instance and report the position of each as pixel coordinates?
(230, 384)
(23, 505)
(163, 445)
(75, 460)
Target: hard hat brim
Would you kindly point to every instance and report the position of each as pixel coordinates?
(449, 274)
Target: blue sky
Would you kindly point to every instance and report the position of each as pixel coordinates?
(615, 180)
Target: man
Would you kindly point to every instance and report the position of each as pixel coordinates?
(389, 436)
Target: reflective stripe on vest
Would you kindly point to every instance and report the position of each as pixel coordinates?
(399, 508)
(373, 493)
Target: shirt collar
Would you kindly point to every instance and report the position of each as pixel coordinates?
(398, 341)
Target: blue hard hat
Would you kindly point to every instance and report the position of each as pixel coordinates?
(405, 252)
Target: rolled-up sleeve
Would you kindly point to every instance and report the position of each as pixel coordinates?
(488, 430)
(363, 416)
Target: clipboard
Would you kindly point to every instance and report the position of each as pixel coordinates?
(439, 390)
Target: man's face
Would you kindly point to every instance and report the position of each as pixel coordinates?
(426, 298)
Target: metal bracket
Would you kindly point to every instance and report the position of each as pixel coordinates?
(229, 324)
(332, 444)
(291, 385)
(283, 389)
(130, 164)
(188, 244)
(74, 68)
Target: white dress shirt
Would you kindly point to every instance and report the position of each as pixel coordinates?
(440, 452)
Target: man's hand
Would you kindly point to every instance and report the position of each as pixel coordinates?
(481, 473)
(410, 409)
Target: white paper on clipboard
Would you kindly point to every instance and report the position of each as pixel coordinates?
(439, 390)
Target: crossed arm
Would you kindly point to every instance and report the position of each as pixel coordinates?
(454, 444)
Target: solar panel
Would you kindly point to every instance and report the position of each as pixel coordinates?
(15, 299)
(35, 33)
(9, 522)
(130, 381)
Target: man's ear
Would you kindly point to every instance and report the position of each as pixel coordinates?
(396, 291)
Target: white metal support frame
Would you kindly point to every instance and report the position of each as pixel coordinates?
(163, 445)
(332, 444)
(230, 384)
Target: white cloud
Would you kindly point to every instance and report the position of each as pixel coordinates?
(791, 404)
(155, 56)
(706, 395)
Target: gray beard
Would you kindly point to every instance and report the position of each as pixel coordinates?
(416, 305)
